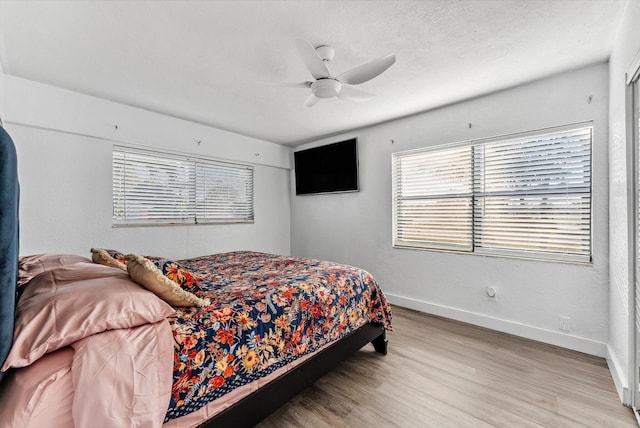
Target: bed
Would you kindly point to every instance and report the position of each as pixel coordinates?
(84, 344)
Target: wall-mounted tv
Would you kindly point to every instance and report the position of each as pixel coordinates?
(327, 169)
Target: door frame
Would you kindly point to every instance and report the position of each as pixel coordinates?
(632, 108)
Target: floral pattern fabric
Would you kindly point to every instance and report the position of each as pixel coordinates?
(266, 311)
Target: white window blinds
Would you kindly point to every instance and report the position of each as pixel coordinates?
(155, 188)
(224, 193)
(527, 196)
(433, 198)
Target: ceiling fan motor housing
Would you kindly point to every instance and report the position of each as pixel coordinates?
(326, 88)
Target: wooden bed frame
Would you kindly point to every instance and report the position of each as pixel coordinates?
(245, 413)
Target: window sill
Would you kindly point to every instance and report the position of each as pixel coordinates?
(572, 260)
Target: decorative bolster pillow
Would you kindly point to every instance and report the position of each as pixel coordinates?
(102, 257)
(145, 272)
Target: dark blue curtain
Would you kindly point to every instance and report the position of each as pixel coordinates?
(9, 196)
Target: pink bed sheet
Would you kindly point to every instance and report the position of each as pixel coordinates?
(131, 369)
(40, 395)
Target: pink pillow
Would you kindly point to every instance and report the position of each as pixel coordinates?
(30, 266)
(65, 304)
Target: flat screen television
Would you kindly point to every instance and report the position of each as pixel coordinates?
(327, 169)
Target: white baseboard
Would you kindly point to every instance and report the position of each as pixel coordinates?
(556, 338)
(619, 379)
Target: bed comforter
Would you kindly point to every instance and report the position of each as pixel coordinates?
(268, 310)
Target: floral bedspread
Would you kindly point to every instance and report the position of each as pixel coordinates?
(266, 311)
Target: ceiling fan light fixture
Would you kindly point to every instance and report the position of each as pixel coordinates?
(326, 53)
(326, 88)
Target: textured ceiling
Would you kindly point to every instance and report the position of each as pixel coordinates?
(214, 62)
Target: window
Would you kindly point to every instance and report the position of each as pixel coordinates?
(155, 188)
(526, 195)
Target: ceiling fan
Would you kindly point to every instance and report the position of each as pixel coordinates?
(325, 86)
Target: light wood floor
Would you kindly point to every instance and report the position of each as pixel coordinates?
(443, 373)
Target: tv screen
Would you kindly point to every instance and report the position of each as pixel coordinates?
(325, 169)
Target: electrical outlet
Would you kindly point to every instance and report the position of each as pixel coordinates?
(564, 324)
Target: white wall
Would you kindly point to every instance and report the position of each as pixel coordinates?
(355, 228)
(626, 46)
(64, 142)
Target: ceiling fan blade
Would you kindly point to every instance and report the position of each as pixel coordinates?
(311, 100)
(367, 71)
(353, 94)
(312, 60)
(305, 85)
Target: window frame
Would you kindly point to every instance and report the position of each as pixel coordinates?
(495, 252)
(193, 206)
